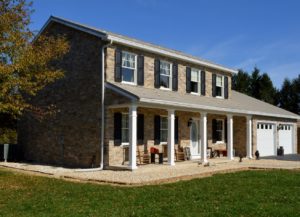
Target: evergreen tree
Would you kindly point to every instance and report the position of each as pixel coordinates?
(290, 95)
(241, 82)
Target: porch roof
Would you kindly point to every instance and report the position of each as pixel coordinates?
(238, 103)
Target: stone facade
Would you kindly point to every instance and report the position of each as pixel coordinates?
(71, 137)
(117, 154)
(149, 70)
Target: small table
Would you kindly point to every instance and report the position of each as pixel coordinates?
(160, 158)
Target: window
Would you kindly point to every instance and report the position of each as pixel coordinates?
(164, 129)
(220, 86)
(125, 128)
(128, 67)
(195, 81)
(165, 75)
(219, 131)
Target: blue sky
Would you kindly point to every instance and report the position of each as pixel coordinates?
(235, 33)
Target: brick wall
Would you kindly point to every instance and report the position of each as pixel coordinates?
(72, 136)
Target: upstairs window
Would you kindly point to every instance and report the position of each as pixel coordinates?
(163, 129)
(195, 81)
(220, 86)
(129, 67)
(165, 75)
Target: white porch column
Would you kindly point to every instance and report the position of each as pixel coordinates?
(171, 136)
(249, 136)
(203, 136)
(132, 136)
(230, 137)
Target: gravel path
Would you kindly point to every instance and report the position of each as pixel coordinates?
(154, 174)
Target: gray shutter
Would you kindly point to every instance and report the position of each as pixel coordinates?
(156, 129)
(175, 77)
(140, 70)
(203, 83)
(188, 79)
(156, 73)
(117, 128)
(214, 77)
(226, 87)
(118, 65)
(140, 129)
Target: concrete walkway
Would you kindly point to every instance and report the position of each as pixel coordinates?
(156, 174)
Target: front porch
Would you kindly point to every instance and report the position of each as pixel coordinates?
(129, 138)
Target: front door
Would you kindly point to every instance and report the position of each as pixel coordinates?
(194, 140)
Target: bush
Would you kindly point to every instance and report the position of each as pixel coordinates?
(8, 136)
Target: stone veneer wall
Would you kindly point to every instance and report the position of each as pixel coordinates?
(71, 137)
(116, 153)
(149, 70)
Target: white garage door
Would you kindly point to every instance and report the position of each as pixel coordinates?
(266, 139)
(286, 138)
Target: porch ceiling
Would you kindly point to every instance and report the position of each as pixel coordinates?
(238, 103)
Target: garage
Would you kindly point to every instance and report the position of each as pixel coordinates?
(266, 139)
(286, 138)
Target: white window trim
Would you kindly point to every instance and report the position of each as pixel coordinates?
(223, 131)
(163, 116)
(135, 69)
(170, 77)
(124, 143)
(199, 82)
(222, 88)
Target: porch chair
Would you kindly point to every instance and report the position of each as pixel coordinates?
(143, 156)
(179, 154)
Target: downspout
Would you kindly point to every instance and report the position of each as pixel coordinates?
(102, 113)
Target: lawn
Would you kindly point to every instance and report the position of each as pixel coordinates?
(249, 193)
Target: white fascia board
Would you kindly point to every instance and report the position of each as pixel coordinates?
(212, 108)
(167, 53)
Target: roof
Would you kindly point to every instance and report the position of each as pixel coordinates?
(131, 42)
(238, 103)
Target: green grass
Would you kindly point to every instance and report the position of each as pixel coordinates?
(249, 193)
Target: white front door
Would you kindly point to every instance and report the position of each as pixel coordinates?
(286, 138)
(194, 140)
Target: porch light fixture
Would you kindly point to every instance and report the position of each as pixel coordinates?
(279, 127)
(190, 122)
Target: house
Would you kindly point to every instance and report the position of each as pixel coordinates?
(298, 137)
(121, 96)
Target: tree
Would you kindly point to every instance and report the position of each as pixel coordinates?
(290, 95)
(257, 85)
(241, 82)
(25, 64)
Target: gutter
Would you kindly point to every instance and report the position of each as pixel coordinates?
(102, 113)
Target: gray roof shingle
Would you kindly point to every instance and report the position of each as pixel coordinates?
(238, 103)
